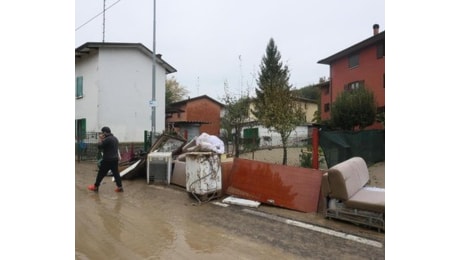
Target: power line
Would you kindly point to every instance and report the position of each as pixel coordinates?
(96, 15)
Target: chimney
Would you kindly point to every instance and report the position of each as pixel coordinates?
(376, 29)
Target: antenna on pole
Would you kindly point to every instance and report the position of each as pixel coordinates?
(103, 23)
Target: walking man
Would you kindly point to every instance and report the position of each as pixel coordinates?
(109, 145)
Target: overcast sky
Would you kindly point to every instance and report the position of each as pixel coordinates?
(210, 42)
(204, 39)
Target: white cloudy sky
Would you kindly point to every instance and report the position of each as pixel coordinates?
(210, 42)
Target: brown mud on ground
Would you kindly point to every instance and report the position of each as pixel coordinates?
(165, 222)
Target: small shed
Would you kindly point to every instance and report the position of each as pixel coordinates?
(187, 129)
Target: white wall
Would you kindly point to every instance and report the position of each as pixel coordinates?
(86, 107)
(299, 133)
(117, 87)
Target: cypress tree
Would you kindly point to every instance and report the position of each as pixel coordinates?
(274, 104)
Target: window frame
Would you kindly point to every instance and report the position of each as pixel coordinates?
(353, 60)
(354, 85)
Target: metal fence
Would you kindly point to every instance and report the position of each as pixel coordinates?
(339, 146)
(86, 147)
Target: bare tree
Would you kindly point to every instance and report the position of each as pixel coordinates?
(174, 91)
(236, 114)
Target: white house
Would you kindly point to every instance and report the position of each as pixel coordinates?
(113, 88)
(269, 137)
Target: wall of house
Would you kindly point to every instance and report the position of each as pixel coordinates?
(86, 107)
(298, 136)
(311, 109)
(308, 108)
(125, 91)
(207, 111)
(370, 69)
(326, 99)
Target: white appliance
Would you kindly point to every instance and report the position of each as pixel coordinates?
(159, 167)
(203, 173)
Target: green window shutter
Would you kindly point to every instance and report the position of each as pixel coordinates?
(80, 130)
(79, 87)
(83, 127)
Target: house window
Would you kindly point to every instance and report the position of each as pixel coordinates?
(381, 50)
(79, 87)
(353, 60)
(326, 90)
(326, 107)
(354, 85)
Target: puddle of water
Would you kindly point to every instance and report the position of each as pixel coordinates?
(119, 226)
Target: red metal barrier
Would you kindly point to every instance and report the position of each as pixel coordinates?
(280, 185)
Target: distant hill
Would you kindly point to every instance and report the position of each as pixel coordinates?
(310, 92)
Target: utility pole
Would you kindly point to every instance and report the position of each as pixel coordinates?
(103, 23)
(153, 102)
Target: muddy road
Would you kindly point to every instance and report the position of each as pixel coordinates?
(164, 222)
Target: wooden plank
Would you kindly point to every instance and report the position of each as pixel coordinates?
(280, 185)
(128, 169)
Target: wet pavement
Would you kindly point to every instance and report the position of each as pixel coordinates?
(164, 222)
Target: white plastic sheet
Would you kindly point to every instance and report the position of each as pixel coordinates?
(208, 143)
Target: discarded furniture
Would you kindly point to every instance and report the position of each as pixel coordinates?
(159, 167)
(348, 198)
(203, 175)
(164, 144)
(279, 185)
(178, 173)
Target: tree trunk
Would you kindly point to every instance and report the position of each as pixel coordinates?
(237, 142)
(284, 154)
(284, 141)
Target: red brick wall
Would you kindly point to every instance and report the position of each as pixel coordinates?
(205, 110)
(202, 110)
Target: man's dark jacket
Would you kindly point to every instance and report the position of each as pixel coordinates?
(109, 147)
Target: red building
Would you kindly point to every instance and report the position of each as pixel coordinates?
(194, 116)
(362, 64)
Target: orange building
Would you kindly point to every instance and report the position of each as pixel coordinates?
(362, 64)
(194, 116)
